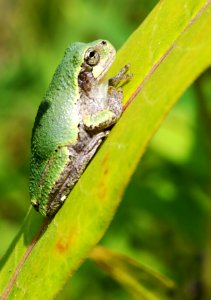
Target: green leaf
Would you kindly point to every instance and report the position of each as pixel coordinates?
(139, 280)
(167, 52)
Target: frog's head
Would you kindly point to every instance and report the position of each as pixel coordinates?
(99, 56)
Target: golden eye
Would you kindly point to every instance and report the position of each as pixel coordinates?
(92, 57)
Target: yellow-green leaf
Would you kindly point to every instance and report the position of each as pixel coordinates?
(167, 52)
(139, 280)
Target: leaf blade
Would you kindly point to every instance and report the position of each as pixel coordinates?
(73, 232)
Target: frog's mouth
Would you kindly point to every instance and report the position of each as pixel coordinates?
(102, 68)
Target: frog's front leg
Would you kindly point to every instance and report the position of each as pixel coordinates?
(114, 81)
(99, 121)
(107, 117)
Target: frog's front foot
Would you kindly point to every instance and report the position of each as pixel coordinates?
(121, 76)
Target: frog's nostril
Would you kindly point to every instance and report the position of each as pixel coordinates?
(104, 42)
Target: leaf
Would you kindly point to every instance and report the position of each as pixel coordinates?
(140, 281)
(167, 52)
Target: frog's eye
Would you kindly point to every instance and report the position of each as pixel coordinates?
(92, 57)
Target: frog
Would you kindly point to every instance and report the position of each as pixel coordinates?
(76, 114)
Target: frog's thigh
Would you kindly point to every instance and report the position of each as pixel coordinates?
(96, 141)
(74, 169)
(68, 158)
(53, 169)
(84, 157)
(99, 120)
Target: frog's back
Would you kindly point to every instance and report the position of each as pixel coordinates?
(56, 123)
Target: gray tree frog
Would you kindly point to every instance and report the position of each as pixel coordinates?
(76, 114)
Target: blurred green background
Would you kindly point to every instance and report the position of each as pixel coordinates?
(163, 221)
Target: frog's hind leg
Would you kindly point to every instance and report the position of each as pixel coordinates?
(73, 170)
(79, 160)
(89, 151)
